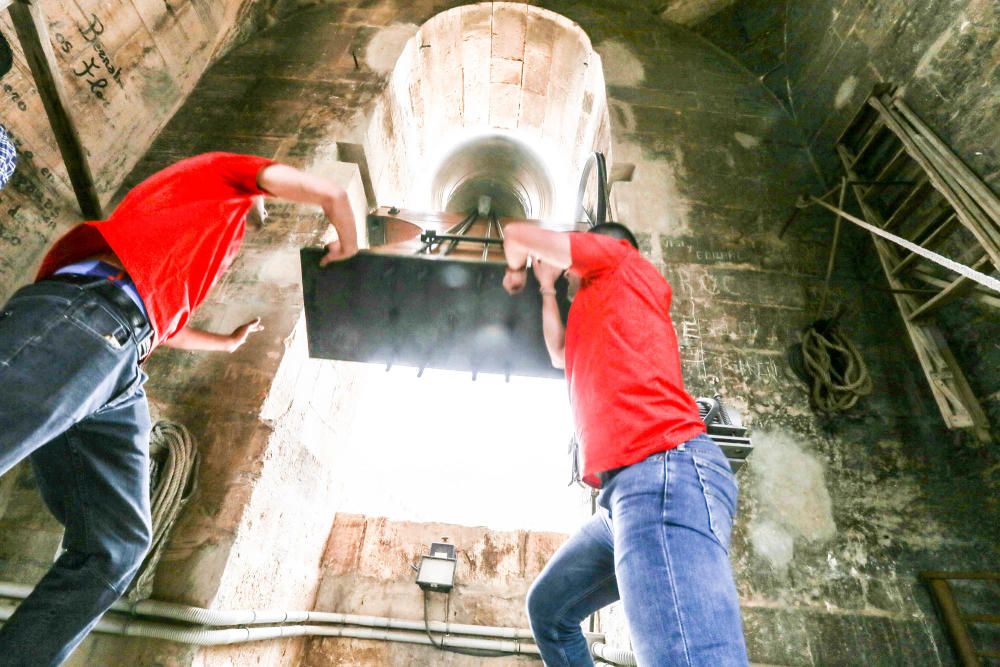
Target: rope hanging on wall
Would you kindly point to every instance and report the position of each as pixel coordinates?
(173, 467)
(825, 359)
(831, 365)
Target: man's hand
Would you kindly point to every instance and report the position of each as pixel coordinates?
(545, 273)
(514, 280)
(190, 338)
(336, 252)
(242, 332)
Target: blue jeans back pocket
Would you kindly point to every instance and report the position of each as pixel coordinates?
(96, 320)
(719, 487)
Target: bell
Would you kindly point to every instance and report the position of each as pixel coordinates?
(428, 293)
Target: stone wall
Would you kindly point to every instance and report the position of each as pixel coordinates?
(127, 67)
(943, 55)
(367, 570)
(836, 516)
(753, 31)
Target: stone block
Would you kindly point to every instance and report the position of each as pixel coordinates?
(509, 27)
(506, 71)
(343, 550)
(532, 113)
(505, 105)
(537, 65)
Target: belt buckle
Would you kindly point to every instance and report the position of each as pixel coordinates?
(144, 346)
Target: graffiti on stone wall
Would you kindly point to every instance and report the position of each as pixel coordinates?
(718, 349)
(31, 210)
(34, 190)
(15, 97)
(732, 326)
(95, 69)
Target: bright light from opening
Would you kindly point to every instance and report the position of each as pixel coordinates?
(442, 448)
(557, 172)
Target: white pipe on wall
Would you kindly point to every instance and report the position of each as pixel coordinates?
(222, 636)
(616, 656)
(327, 624)
(221, 618)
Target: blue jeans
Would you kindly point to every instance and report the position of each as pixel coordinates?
(660, 544)
(73, 403)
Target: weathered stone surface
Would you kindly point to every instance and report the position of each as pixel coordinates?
(943, 55)
(126, 67)
(367, 570)
(826, 569)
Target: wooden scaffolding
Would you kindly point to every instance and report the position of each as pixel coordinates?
(910, 185)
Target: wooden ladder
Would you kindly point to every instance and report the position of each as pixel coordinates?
(908, 182)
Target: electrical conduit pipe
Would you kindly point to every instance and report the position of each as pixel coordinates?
(222, 618)
(615, 656)
(221, 636)
(376, 627)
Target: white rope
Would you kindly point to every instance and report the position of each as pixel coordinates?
(173, 452)
(962, 269)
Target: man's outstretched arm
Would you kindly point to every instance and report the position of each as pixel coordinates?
(522, 239)
(296, 185)
(190, 338)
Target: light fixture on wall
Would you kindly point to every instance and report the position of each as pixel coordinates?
(437, 569)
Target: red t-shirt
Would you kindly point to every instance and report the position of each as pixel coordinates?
(622, 360)
(175, 233)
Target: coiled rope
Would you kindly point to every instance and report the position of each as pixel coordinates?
(832, 367)
(173, 458)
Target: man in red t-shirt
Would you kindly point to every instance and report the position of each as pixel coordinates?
(70, 348)
(660, 541)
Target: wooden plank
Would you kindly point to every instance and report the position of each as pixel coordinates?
(911, 201)
(982, 618)
(859, 125)
(956, 288)
(968, 576)
(986, 198)
(877, 133)
(934, 238)
(980, 294)
(890, 169)
(952, 617)
(956, 401)
(969, 213)
(32, 32)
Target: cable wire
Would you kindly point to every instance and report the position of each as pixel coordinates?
(481, 653)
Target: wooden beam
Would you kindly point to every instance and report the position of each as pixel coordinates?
(33, 34)
(958, 287)
(935, 237)
(952, 617)
(910, 202)
(969, 213)
(957, 402)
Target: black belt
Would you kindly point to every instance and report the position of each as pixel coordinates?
(116, 296)
(606, 475)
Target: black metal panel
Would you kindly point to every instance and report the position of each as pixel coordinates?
(424, 313)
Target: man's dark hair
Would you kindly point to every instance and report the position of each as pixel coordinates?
(616, 231)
